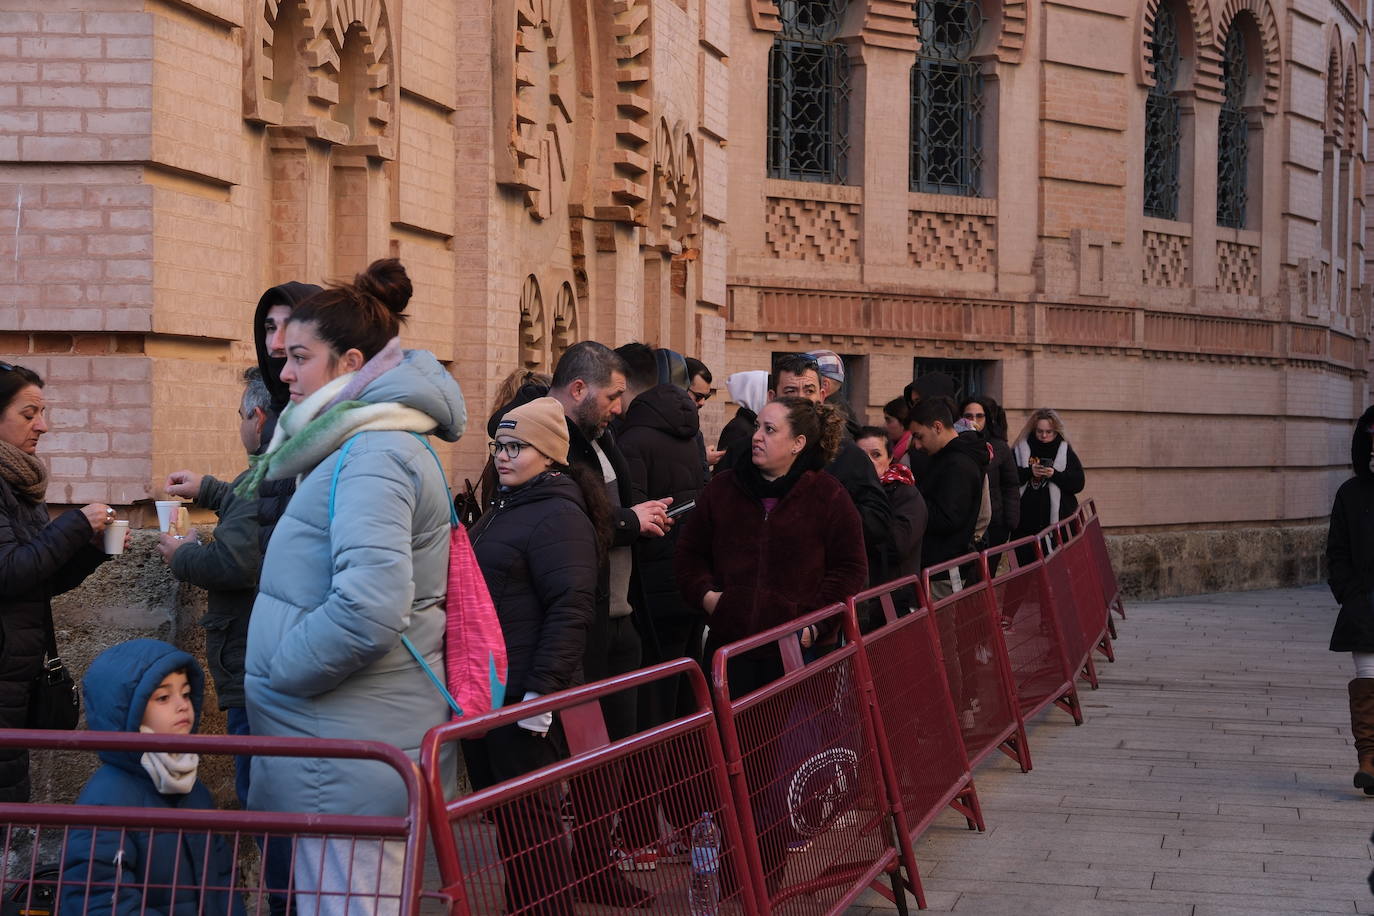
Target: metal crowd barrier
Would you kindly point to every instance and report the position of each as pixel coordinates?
(1097, 541)
(805, 766)
(329, 863)
(920, 747)
(510, 848)
(1032, 631)
(976, 664)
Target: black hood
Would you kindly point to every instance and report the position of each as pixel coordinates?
(548, 485)
(970, 444)
(666, 408)
(292, 294)
(523, 395)
(1360, 445)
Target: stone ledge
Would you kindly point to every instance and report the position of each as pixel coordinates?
(1169, 563)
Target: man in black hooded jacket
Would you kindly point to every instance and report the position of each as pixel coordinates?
(952, 485)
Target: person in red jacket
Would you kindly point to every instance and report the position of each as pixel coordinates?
(773, 538)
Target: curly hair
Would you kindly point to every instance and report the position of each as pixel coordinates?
(821, 424)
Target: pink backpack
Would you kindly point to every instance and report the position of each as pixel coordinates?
(475, 664)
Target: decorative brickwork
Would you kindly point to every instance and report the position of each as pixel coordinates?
(1206, 78)
(1238, 268)
(566, 323)
(624, 192)
(1013, 37)
(534, 102)
(1269, 37)
(533, 338)
(1168, 260)
(324, 68)
(813, 230)
(951, 241)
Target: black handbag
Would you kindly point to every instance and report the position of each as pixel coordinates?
(54, 701)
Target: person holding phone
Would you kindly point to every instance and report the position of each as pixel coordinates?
(1050, 473)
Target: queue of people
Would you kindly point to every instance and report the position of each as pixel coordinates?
(610, 532)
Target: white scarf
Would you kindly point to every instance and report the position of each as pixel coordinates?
(1061, 462)
(172, 774)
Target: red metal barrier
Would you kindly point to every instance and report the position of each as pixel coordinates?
(1032, 630)
(923, 754)
(508, 849)
(1106, 576)
(330, 863)
(1078, 598)
(976, 664)
(804, 763)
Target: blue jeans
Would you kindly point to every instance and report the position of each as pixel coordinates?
(277, 855)
(237, 718)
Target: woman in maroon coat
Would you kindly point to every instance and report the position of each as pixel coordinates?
(773, 539)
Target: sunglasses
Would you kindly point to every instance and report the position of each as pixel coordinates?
(702, 398)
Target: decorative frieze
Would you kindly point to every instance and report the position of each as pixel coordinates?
(813, 230)
(952, 241)
(1238, 268)
(1168, 260)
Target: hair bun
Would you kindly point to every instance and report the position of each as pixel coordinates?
(386, 281)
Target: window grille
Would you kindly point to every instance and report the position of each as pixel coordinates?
(947, 99)
(1162, 120)
(808, 94)
(1233, 135)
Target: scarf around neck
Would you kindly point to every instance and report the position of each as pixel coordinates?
(24, 472)
(1057, 447)
(311, 430)
(172, 774)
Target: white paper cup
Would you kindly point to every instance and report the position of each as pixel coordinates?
(114, 536)
(166, 513)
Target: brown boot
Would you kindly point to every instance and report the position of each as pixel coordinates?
(1362, 727)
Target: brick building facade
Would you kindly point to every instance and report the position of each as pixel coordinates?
(731, 178)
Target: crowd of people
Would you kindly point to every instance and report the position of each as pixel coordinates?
(610, 533)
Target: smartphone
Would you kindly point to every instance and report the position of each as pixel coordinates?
(681, 508)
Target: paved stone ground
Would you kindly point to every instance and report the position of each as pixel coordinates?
(1211, 778)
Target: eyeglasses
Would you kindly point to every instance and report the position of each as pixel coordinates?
(702, 397)
(511, 448)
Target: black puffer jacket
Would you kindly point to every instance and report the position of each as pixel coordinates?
(537, 550)
(953, 489)
(1350, 548)
(38, 559)
(659, 440)
(1004, 489)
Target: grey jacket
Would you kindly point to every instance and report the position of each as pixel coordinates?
(325, 658)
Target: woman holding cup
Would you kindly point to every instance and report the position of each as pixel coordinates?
(39, 558)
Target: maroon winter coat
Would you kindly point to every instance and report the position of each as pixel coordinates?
(807, 553)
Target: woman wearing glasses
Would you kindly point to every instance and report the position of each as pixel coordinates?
(39, 558)
(539, 546)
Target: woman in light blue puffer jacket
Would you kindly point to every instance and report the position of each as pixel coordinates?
(342, 583)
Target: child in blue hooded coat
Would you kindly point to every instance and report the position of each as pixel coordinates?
(149, 686)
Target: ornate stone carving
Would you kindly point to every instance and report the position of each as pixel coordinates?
(533, 338)
(533, 102)
(951, 241)
(1168, 260)
(675, 204)
(1013, 38)
(813, 230)
(323, 69)
(1238, 268)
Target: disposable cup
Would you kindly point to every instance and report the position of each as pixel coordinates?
(114, 536)
(167, 513)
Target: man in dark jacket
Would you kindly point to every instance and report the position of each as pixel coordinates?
(227, 568)
(952, 485)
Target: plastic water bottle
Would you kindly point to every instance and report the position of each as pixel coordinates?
(703, 896)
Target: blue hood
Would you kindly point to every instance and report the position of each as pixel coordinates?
(119, 682)
(421, 381)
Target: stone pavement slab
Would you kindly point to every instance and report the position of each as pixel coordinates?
(1211, 778)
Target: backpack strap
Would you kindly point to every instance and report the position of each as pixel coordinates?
(453, 513)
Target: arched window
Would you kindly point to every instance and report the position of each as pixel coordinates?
(808, 93)
(947, 99)
(1233, 132)
(1163, 123)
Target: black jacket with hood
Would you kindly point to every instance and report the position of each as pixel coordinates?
(953, 489)
(1350, 547)
(273, 495)
(658, 437)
